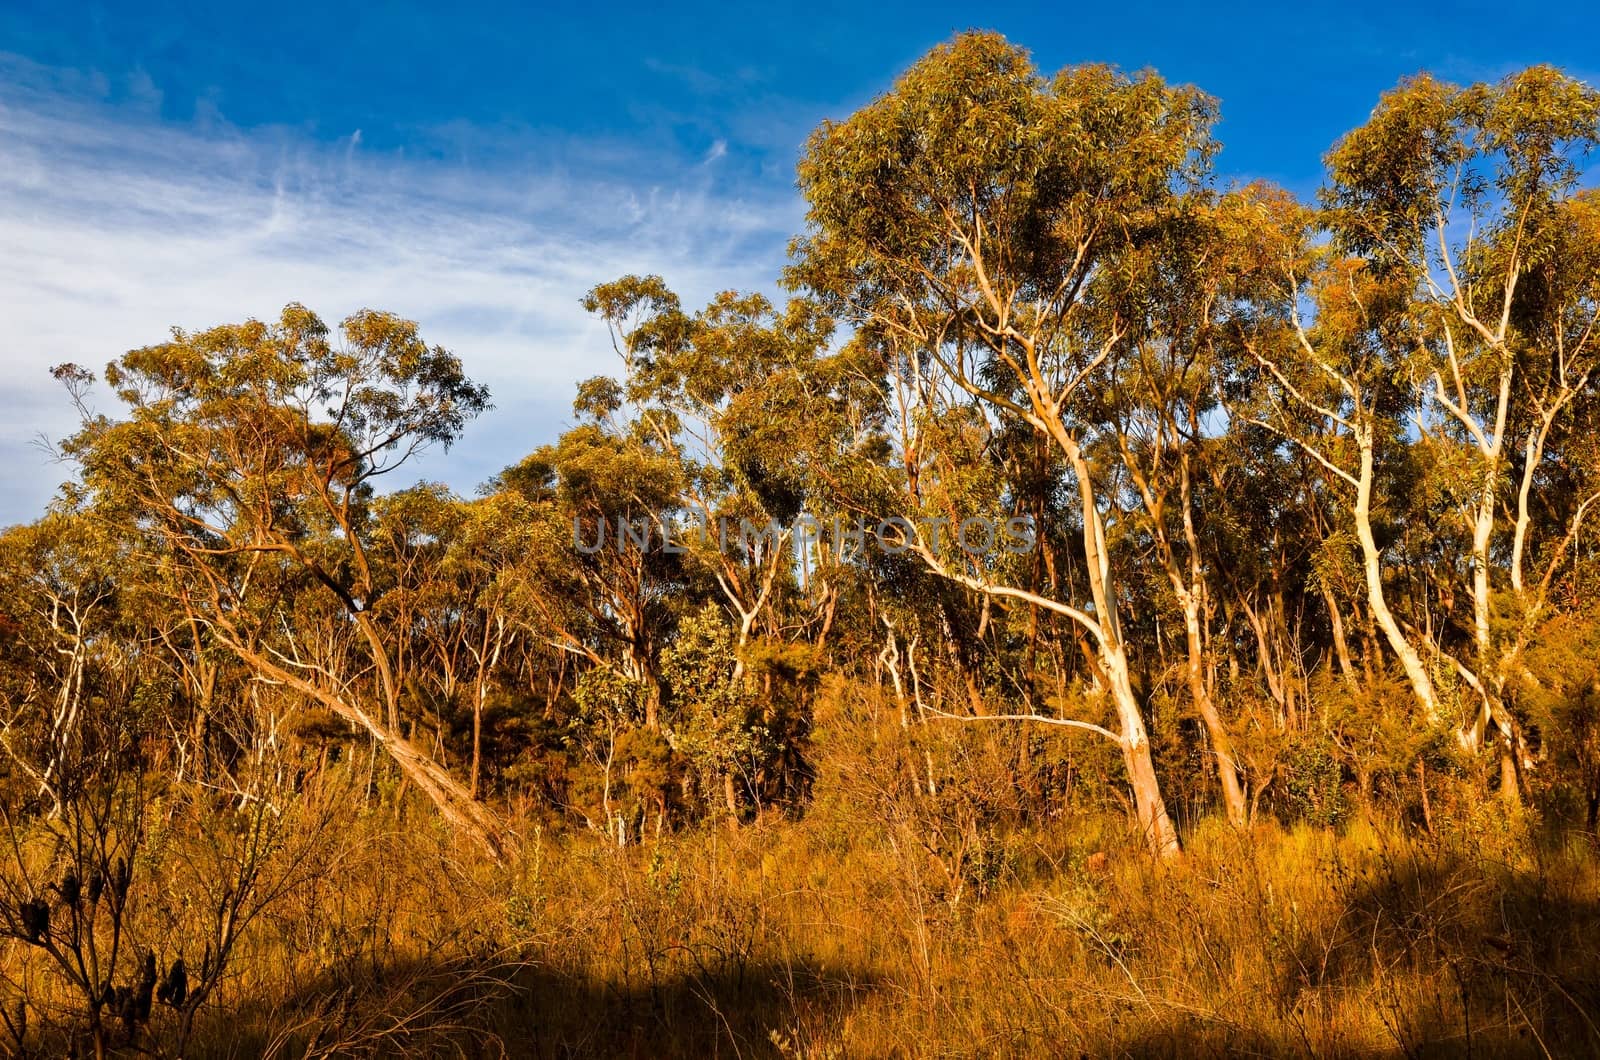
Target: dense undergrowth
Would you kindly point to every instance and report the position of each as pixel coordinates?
(1270, 725)
(882, 922)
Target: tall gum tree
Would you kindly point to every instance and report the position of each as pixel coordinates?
(969, 217)
(1321, 379)
(248, 457)
(1161, 413)
(1464, 197)
(597, 584)
(697, 386)
(59, 590)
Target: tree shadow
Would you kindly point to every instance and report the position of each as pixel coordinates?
(745, 1012)
(497, 1009)
(1461, 957)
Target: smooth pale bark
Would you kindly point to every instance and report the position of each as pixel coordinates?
(731, 796)
(449, 796)
(380, 657)
(1519, 540)
(1189, 587)
(1482, 531)
(1276, 678)
(1488, 342)
(69, 701)
(1359, 422)
(1019, 351)
(1489, 443)
(1199, 688)
(1105, 626)
(487, 657)
(1533, 456)
(1109, 658)
(1372, 563)
(1510, 787)
(1154, 821)
(1233, 798)
(1155, 824)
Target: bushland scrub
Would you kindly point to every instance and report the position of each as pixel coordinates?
(1272, 727)
(885, 922)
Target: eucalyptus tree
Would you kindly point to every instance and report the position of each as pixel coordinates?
(247, 459)
(1160, 411)
(454, 565)
(598, 581)
(482, 565)
(67, 639)
(1453, 328)
(698, 386)
(1321, 378)
(412, 530)
(971, 217)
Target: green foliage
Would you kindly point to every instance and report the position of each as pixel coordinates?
(1311, 491)
(714, 718)
(605, 698)
(1314, 780)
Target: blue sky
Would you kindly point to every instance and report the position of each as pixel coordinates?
(477, 167)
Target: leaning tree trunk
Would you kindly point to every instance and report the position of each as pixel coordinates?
(1410, 660)
(1221, 744)
(1191, 594)
(1155, 824)
(1154, 821)
(449, 796)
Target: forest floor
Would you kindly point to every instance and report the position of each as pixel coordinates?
(872, 935)
(882, 923)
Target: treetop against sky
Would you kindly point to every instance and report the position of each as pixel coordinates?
(478, 169)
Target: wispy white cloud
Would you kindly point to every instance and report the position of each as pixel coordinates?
(117, 226)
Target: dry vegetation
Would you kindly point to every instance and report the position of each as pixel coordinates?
(1279, 736)
(884, 923)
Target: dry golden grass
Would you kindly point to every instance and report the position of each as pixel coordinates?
(880, 925)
